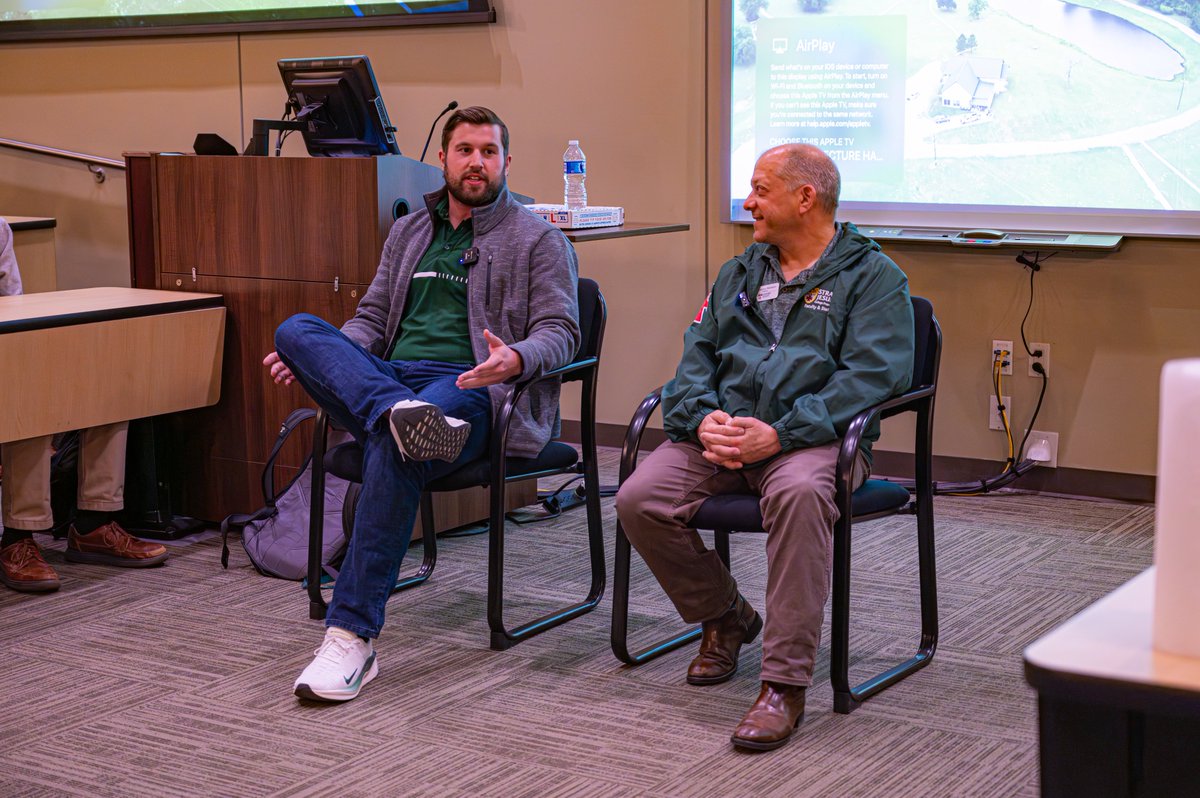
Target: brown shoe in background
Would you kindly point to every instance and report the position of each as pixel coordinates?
(23, 568)
(721, 641)
(112, 545)
(770, 722)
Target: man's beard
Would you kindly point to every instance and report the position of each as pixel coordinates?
(491, 190)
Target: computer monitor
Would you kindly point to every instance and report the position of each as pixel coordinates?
(338, 105)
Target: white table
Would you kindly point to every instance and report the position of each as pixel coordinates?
(1116, 717)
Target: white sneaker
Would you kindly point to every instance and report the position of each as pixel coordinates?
(344, 663)
(423, 432)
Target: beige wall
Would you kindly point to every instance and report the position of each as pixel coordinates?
(649, 125)
(103, 98)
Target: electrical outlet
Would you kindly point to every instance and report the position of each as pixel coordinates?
(994, 421)
(1042, 446)
(997, 348)
(1043, 358)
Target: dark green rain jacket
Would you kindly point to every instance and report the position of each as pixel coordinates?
(847, 345)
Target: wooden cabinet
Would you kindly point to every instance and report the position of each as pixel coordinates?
(310, 219)
(274, 236)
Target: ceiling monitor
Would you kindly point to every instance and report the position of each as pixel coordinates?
(28, 20)
(336, 105)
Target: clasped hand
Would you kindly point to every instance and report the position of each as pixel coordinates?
(736, 441)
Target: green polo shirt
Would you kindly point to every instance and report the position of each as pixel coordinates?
(434, 324)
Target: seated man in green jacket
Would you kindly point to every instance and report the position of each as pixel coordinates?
(807, 327)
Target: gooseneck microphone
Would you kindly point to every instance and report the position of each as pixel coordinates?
(453, 104)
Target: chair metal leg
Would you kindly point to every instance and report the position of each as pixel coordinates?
(317, 607)
(316, 519)
(502, 637)
(428, 539)
(428, 546)
(846, 698)
(619, 638)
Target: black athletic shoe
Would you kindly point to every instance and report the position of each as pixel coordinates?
(423, 432)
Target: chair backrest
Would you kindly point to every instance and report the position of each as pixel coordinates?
(928, 337)
(593, 315)
(927, 350)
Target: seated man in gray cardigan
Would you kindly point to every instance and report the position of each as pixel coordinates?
(473, 292)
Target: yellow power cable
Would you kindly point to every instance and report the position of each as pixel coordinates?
(998, 376)
(997, 366)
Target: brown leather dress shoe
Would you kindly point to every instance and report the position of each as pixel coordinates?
(112, 545)
(23, 568)
(770, 722)
(721, 641)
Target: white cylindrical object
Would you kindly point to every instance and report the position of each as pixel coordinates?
(1177, 511)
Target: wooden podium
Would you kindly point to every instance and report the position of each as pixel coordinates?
(274, 236)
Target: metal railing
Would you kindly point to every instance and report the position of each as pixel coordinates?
(95, 164)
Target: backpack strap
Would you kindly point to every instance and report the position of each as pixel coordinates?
(240, 520)
(294, 419)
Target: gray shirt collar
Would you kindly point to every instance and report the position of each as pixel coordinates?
(772, 253)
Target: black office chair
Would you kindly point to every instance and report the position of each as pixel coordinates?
(495, 471)
(875, 498)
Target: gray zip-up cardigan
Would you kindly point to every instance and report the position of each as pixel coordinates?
(522, 289)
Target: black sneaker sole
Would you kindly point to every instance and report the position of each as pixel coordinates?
(423, 433)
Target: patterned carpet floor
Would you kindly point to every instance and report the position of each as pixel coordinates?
(176, 681)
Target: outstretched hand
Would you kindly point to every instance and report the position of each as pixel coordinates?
(279, 372)
(503, 363)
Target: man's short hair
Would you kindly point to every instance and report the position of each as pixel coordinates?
(807, 164)
(474, 115)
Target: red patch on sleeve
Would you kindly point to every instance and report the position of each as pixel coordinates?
(703, 308)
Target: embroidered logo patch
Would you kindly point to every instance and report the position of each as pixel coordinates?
(818, 299)
(703, 309)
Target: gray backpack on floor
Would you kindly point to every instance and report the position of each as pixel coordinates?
(276, 536)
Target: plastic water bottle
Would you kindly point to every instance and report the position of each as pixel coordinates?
(574, 175)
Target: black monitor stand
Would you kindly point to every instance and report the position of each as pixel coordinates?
(260, 138)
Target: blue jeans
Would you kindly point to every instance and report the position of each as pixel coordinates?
(357, 390)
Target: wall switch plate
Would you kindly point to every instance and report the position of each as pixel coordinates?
(997, 348)
(994, 421)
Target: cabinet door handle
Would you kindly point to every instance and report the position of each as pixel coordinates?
(336, 286)
(193, 274)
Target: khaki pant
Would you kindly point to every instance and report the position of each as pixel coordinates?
(657, 502)
(26, 494)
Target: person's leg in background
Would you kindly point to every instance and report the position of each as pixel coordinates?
(26, 509)
(383, 526)
(390, 497)
(95, 536)
(799, 512)
(353, 386)
(656, 505)
(360, 391)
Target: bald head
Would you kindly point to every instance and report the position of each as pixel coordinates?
(803, 164)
